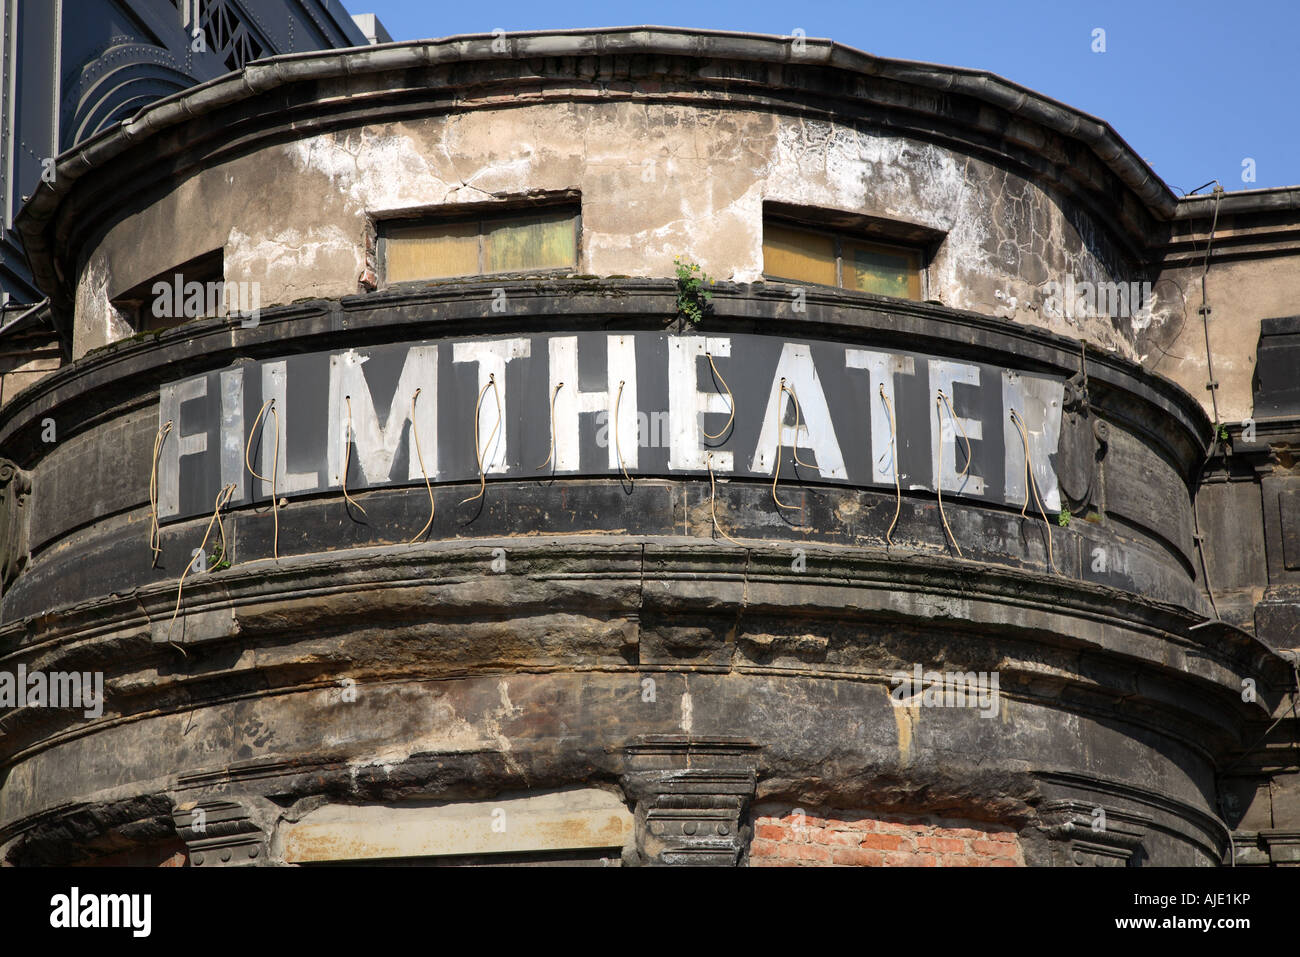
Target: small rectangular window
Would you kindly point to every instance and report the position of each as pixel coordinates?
(800, 254)
(192, 290)
(486, 244)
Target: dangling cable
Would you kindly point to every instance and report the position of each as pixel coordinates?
(155, 533)
(415, 434)
(275, 468)
(797, 419)
(478, 451)
(1032, 484)
(347, 457)
(223, 497)
(713, 499)
(780, 439)
(617, 447)
(551, 454)
(938, 485)
(957, 422)
(731, 401)
(893, 454)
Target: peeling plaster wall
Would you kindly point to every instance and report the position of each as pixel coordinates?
(657, 181)
(1240, 294)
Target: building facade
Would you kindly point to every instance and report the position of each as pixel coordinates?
(652, 447)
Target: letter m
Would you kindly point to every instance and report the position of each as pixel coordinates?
(65, 689)
(377, 444)
(119, 907)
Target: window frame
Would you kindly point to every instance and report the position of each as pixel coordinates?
(477, 213)
(135, 304)
(838, 237)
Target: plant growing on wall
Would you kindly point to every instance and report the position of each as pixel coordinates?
(218, 559)
(692, 297)
(1063, 517)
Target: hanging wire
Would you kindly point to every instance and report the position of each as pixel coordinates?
(780, 438)
(275, 468)
(1032, 485)
(155, 533)
(893, 454)
(942, 400)
(347, 458)
(797, 425)
(415, 434)
(223, 496)
(551, 454)
(731, 401)
(618, 448)
(713, 495)
(478, 450)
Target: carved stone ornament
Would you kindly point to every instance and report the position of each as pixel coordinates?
(691, 796)
(1082, 443)
(1087, 835)
(220, 834)
(15, 486)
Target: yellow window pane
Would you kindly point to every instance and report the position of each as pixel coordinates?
(795, 254)
(431, 252)
(883, 271)
(530, 242)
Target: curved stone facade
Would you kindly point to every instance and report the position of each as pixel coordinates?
(642, 655)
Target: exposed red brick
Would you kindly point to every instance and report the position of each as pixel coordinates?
(946, 845)
(993, 848)
(883, 842)
(909, 860)
(770, 832)
(764, 848)
(857, 857)
(820, 836)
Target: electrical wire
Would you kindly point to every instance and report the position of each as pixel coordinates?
(893, 454)
(938, 485)
(275, 469)
(223, 496)
(155, 533)
(780, 439)
(347, 458)
(478, 450)
(415, 434)
(551, 454)
(618, 448)
(712, 500)
(1031, 484)
(798, 417)
(731, 401)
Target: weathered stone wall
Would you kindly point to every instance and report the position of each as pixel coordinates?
(657, 181)
(1253, 274)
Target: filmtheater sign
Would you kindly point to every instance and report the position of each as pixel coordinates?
(596, 404)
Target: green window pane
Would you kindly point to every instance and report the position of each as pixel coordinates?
(881, 271)
(532, 242)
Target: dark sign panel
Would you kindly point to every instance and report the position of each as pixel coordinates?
(600, 404)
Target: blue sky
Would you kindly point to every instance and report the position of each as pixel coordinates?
(1196, 88)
